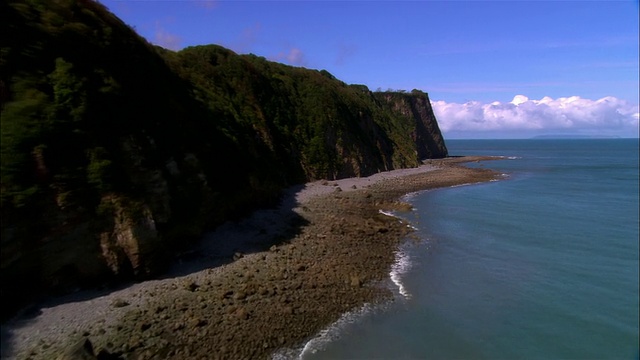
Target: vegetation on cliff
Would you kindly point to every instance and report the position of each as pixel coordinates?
(114, 151)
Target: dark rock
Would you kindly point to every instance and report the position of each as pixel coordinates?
(240, 295)
(198, 323)
(118, 303)
(192, 286)
(356, 281)
(242, 313)
(106, 355)
(82, 350)
(382, 229)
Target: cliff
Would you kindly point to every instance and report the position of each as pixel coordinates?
(115, 153)
(426, 135)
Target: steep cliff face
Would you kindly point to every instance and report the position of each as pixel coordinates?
(316, 125)
(426, 135)
(123, 152)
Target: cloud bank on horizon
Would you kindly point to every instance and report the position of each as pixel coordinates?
(524, 117)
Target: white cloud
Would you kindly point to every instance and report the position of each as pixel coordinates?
(345, 52)
(165, 39)
(293, 56)
(247, 39)
(206, 4)
(606, 116)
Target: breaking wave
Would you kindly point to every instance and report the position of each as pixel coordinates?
(401, 265)
(333, 332)
(325, 336)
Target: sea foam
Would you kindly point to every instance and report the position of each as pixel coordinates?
(402, 262)
(386, 213)
(401, 265)
(325, 336)
(320, 341)
(334, 331)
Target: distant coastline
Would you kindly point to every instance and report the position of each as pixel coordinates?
(574, 136)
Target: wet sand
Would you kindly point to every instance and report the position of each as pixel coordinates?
(271, 281)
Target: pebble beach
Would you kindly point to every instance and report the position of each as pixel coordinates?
(251, 288)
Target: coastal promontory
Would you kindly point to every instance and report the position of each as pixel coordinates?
(117, 154)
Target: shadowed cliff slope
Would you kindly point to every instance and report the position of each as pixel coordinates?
(115, 152)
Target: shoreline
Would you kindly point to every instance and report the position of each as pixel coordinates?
(252, 288)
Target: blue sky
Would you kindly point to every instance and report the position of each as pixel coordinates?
(576, 62)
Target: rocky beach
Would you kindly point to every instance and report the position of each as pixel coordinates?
(270, 281)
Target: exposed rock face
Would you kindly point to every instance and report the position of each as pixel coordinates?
(133, 243)
(426, 135)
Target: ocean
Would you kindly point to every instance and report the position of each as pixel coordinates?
(540, 265)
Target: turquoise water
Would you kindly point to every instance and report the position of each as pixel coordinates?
(541, 265)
